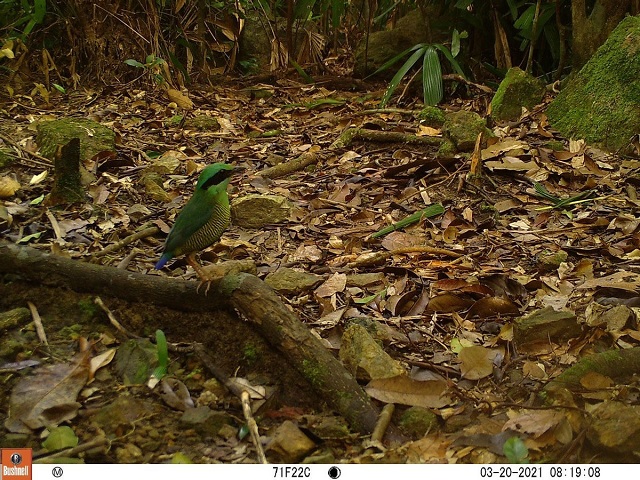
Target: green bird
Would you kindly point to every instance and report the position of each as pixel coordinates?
(203, 219)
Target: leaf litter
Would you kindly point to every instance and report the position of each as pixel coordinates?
(449, 288)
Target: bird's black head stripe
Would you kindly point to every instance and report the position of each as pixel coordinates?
(219, 177)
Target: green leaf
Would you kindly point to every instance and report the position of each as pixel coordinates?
(447, 54)
(430, 211)
(59, 438)
(396, 59)
(432, 77)
(243, 431)
(29, 27)
(40, 10)
(60, 88)
(28, 238)
(456, 346)
(337, 10)
(303, 9)
(134, 63)
(525, 22)
(163, 355)
(455, 43)
(37, 201)
(515, 450)
(513, 8)
(305, 76)
(370, 298)
(180, 458)
(397, 78)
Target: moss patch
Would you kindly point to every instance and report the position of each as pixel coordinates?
(602, 103)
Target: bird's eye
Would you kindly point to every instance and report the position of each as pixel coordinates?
(219, 177)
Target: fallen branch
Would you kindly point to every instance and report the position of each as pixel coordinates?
(286, 168)
(245, 294)
(114, 247)
(351, 134)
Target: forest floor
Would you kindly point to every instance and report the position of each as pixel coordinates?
(442, 298)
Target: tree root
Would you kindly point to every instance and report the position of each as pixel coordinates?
(243, 293)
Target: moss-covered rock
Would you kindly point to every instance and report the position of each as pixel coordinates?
(517, 90)
(463, 127)
(602, 102)
(431, 116)
(202, 123)
(418, 421)
(7, 157)
(94, 137)
(256, 211)
(384, 45)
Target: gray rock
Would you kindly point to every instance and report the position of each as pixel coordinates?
(256, 211)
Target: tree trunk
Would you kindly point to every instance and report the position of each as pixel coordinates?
(592, 30)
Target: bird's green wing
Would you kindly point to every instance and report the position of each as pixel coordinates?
(192, 218)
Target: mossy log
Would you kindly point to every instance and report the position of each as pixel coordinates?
(350, 135)
(295, 165)
(248, 296)
(614, 363)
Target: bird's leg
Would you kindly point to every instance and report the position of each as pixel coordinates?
(204, 278)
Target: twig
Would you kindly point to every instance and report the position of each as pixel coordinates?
(294, 165)
(70, 452)
(378, 257)
(383, 423)
(252, 425)
(98, 301)
(37, 321)
(454, 77)
(45, 161)
(147, 232)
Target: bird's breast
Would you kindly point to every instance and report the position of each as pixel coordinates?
(210, 232)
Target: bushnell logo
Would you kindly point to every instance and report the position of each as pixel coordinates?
(16, 464)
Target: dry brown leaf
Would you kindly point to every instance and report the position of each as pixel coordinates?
(502, 147)
(180, 99)
(176, 394)
(477, 361)
(397, 240)
(406, 391)
(534, 422)
(48, 396)
(100, 361)
(8, 187)
(448, 302)
(595, 381)
(492, 306)
(334, 284)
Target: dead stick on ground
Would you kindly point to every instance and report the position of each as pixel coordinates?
(377, 257)
(246, 295)
(147, 232)
(252, 425)
(98, 301)
(70, 452)
(294, 165)
(350, 134)
(383, 422)
(45, 161)
(37, 321)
